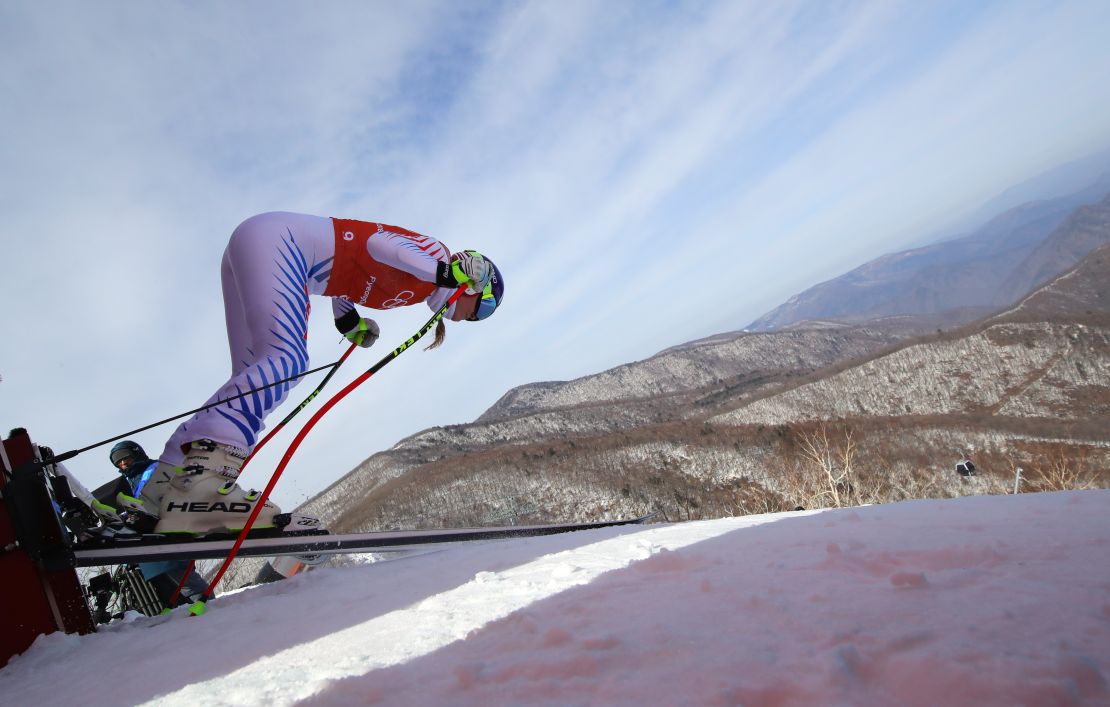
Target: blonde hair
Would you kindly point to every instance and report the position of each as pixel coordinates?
(441, 331)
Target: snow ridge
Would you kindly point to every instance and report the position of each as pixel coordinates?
(300, 671)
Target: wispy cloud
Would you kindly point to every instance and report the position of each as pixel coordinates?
(643, 173)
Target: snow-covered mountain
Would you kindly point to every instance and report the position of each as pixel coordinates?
(987, 601)
(739, 423)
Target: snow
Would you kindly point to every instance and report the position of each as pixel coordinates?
(981, 600)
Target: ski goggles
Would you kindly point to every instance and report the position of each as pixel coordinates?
(122, 455)
(492, 295)
(486, 305)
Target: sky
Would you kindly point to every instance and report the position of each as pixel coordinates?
(987, 600)
(643, 173)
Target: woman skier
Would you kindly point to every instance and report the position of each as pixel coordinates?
(272, 264)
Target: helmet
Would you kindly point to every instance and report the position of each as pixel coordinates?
(491, 296)
(126, 450)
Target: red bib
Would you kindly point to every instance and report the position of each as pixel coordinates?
(359, 278)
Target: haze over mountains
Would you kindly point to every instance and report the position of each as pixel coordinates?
(1064, 180)
(963, 278)
(871, 403)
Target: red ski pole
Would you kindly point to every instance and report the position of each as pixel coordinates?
(304, 403)
(198, 608)
(302, 406)
(180, 585)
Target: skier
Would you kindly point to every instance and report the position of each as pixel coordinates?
(272, 263)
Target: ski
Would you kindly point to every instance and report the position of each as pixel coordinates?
(152, 548)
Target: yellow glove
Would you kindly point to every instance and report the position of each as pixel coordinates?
(364, 333)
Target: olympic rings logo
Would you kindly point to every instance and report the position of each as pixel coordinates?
(399, 300)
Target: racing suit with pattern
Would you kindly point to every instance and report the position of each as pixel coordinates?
(273, 263)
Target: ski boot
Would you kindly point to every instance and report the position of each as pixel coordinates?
(203, 497)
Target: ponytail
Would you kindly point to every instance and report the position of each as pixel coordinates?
(441, 331)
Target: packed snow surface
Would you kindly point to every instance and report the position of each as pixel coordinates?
(982, 600)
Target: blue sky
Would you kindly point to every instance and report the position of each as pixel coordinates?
(643, 173)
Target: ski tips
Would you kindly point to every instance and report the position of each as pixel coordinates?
(197, 608)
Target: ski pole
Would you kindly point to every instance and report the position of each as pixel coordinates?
(198, 608)
(181, 584)
(267, 438)
(69, 455)
(302, 406)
